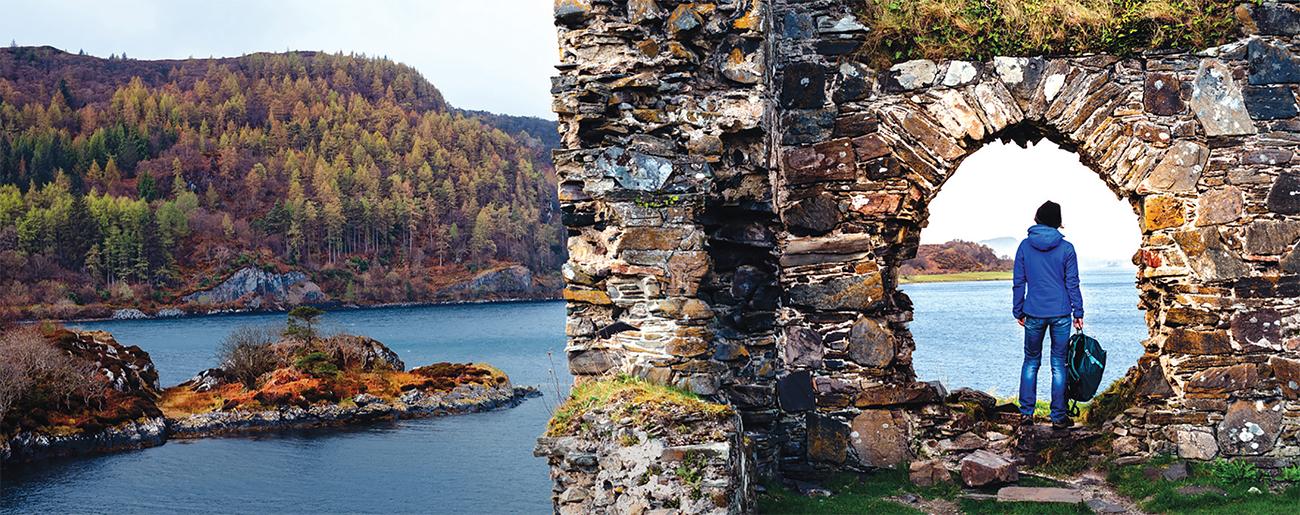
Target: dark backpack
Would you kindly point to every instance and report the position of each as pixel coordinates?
(1085, 362)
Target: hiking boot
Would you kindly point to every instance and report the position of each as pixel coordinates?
(1062, 424)
(1026, 420)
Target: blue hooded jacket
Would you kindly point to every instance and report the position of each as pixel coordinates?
(1047, 265)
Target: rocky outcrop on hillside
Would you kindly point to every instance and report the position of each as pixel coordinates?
(511, 282)
(255, 288)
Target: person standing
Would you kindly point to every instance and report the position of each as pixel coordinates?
(1045, 296)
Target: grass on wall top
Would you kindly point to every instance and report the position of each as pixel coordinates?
(903, 30)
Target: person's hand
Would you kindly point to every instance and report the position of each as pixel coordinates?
(1021, 321)
(1078, 324)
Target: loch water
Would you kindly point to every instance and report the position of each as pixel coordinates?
(477, 463)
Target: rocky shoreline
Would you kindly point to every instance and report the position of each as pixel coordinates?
(29, 446)
(174, 312)
(469, 398)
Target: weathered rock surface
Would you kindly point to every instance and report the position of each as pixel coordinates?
(985, 468)
(510, 282)
(256, 288)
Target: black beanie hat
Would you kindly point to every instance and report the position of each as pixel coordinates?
(1049, 214)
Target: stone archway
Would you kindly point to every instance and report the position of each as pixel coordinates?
(739, 190)
(1182, 137)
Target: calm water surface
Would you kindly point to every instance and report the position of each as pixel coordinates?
(480, 463)
(965, 335)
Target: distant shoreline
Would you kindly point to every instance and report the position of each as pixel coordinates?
(327, 307)
(954, 277)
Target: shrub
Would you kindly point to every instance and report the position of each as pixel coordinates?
(246, 354)
(317, 364)
(34, 372)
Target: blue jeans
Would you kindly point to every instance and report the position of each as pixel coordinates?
(1035, 329)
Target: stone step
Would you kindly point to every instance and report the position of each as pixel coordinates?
(1039, 494)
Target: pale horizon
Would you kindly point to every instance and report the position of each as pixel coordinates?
(996, 191)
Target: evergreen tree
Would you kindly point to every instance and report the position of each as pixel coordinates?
(77, 234)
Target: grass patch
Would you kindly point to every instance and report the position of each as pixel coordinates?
(653, 407)
(871, 494)
(1221, 487)
(957, 277)
(1043, 409)
(980, 29)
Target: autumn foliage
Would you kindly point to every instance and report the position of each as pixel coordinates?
(131, 183)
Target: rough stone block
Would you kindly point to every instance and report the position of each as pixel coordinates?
(813, 216)
(894, 395)
(1178, 170)
(928, 473)
(1162, 212)
(1039, 494)
(803, 86)
(1277, 19)
(986, 468)
(1260, 328)
(858, 292)
(1287, 373)
(1218, 103)
(1250, 428)
(871, 344)
(1272, 64)
(1222, 380)
(881, 438)
(795, 391)
(1284, 197)
(802, 347)
(1270, 102)
(1163, 95)
(1220, 206)
(828, 439)
(829, 161)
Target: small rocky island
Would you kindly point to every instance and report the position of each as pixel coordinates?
(332, 381)
(65, 393)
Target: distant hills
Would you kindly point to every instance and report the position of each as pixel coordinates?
(133, 183)
(954, 257)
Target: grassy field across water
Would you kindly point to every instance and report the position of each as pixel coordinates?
(957, 277)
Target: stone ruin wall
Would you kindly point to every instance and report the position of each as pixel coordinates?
(739, 189)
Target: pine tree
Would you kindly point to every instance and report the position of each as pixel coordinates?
(146, 188)
(76, 234)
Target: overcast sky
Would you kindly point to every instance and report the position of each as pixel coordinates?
(499, 55)
(996, 191)
(494, 55)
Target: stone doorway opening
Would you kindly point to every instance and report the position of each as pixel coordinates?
(963, 331)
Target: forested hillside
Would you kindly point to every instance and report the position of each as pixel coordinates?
(133, 183)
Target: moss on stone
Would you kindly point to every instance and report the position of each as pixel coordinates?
(1109, 404)
(980, 29)
(651, 407)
